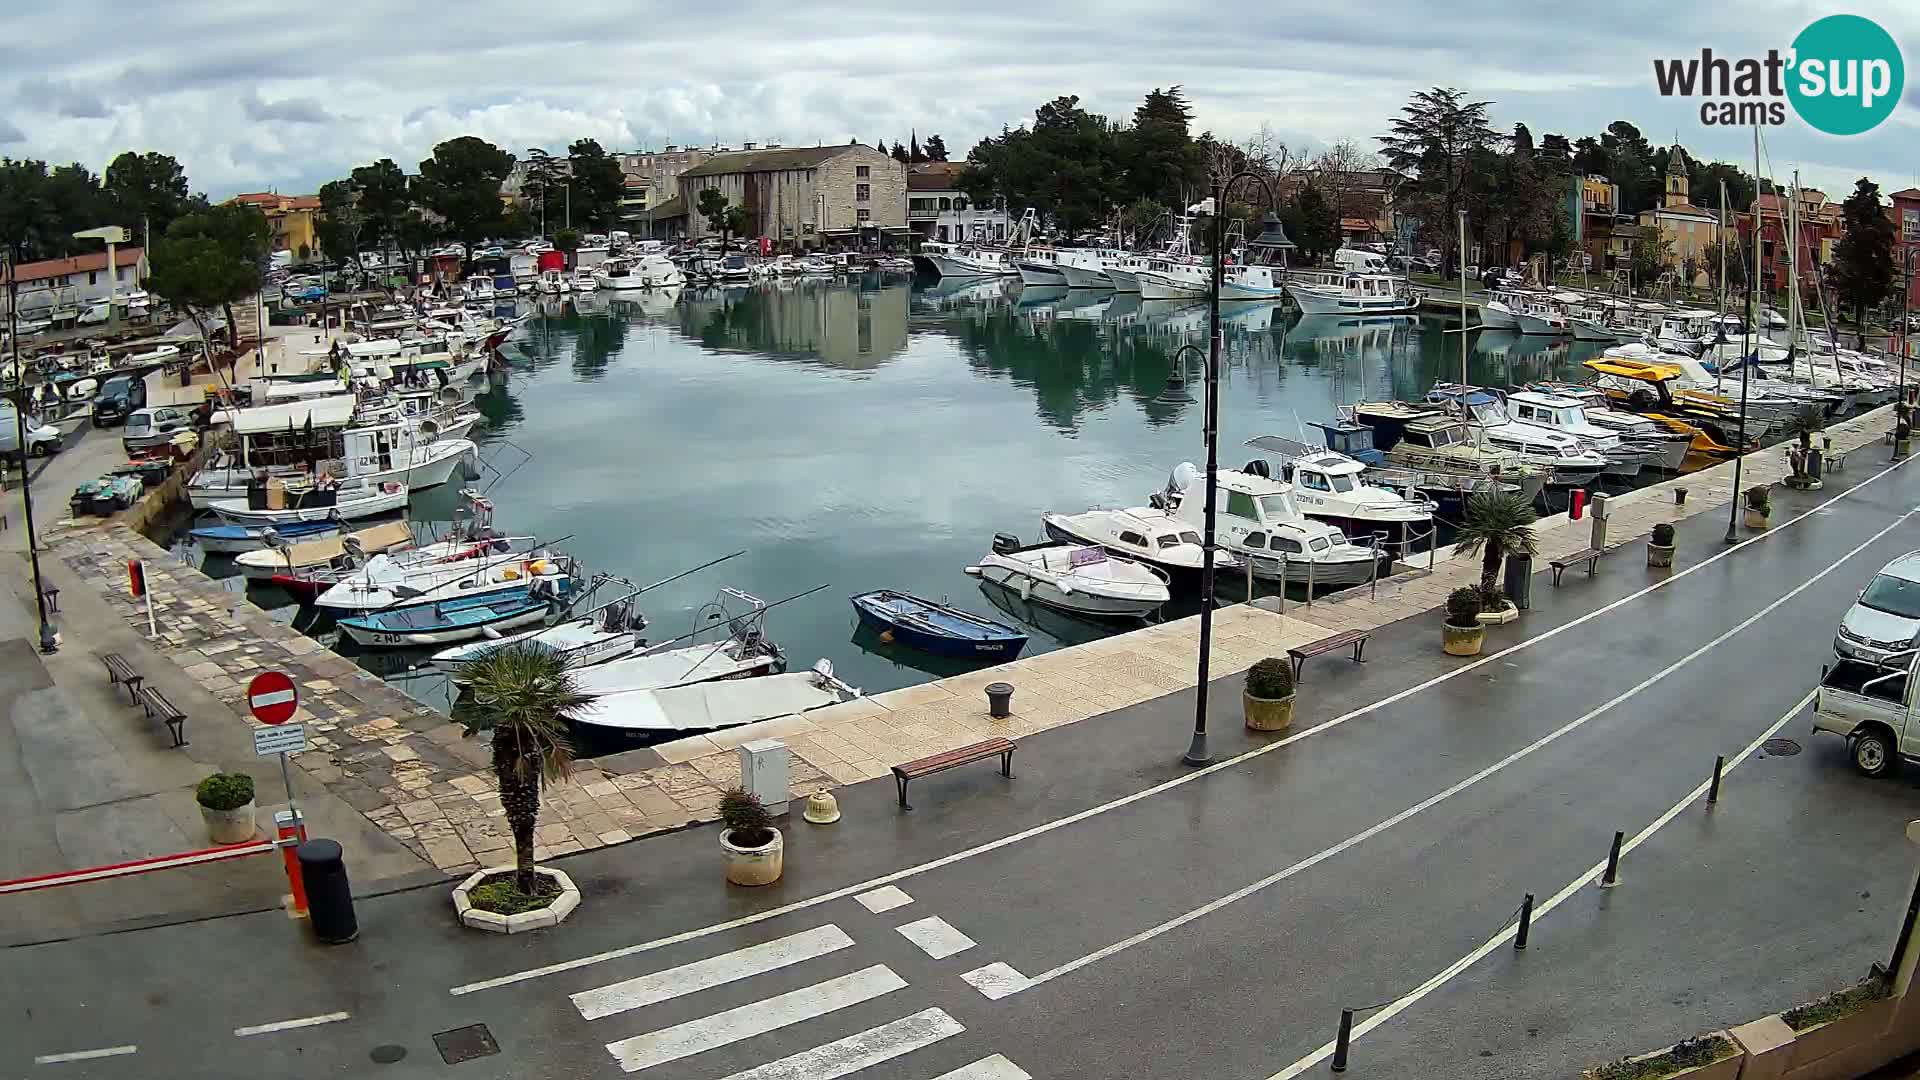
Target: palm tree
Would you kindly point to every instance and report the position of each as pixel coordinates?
(1498, 524)
(525, 696)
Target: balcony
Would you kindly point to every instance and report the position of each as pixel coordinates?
(923, 215)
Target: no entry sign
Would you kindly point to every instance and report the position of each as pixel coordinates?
(272, 697)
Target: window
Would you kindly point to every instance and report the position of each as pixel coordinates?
(1910, 226)
(863, 214)
(946, 204)
(863, 171)
(1341, 483)
(1278, 506)
(1256, 540)
(1240, 504)
(1894, 596)
(1313, 481)
(806, 229)
(1290, 547)
(1318, 544)
(93, 277)
(862, 192)
(1170, 540)
(1133, 538)
(1190, 537)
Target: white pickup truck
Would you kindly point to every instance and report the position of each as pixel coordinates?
(1873, 707)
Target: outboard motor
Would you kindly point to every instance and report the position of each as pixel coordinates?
(1005, 543)
(1258, 467)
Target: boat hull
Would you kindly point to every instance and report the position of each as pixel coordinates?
(443, 456)
(1080, 277)
(1319, 573)
(598, 650)
(1034, 273)
(1157, 286)
(1055, 530)
(1078, 602)
(1497, 317)
(1315, 302)
(1004, 646)
(385, 503)
(1234, 290)
(364, 633)
(1123, 280)
(238, 540)
(1530, 323)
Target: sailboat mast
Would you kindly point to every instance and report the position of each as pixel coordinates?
(1463, 306)
(1720, 362)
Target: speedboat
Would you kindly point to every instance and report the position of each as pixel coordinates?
(582, 281)
(452, 618)
(1330, 486)
(317, 504)
(1082, 580)
(711, 704)
(1257, 519)
(937, 628)
(235, 539)
(1634, 431)
(1142, 533)
(592, 637)
(387, 580)
(1572, 461)
(1624, 458)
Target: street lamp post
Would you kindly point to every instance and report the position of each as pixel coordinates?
(1197, 751)
(47, 642)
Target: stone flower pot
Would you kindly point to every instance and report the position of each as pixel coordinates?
(235, 826)
(1506, 614)
(1462, 640)
(754, 865)
(1754, 519)
(1267, 714)
(1660, 555)
(538, 919)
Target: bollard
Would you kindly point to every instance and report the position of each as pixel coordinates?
(999, 700)
(1340, 1041)
(1612, 877)
(329, 895)
(1713, 790)
(1526, 924)
(1679, 496)
(290, 830)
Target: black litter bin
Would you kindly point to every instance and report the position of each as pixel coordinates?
(1519, 584)
(329, 896)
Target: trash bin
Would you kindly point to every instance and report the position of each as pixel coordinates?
(329, 897)
(1519, 583)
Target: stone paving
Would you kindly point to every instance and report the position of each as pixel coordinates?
(413, 773)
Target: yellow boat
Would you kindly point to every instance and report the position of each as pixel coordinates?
(1641, 386)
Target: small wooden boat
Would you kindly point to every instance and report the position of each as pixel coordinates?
(937, 628)
(442, 622)
(347, 504)
(307, 556)
(234, 539)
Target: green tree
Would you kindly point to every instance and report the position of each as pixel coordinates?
(1313, 224)
(598, 185)
(567, 241)
(461, 183)
(1139, 218)
(415, 233)
(1630, 165)
(721, 218)
(1065, 167)
(1862, 267)
(936, 148)
(1439, 138)
(193, 275)
(341, 222)
(1650, 256)
(1497, 525)
(148, 191)
(383, 199)
(241, 234)
(26, 209)
(1158, 155)
(525, 697)
(900, 154)
(915, 156)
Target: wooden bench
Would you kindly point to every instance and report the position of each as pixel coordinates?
(980, 751)
(158, 707)
(1836, 460)
(1590, 556)
(1355, 638)
(119, 672)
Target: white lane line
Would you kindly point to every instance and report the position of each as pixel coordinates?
(885, 898)
(713, 971)
(1432, 800)
(84, 1055)
(755, 1018)
(288, 1025)
(936, 937)
(843, 1057)
(1592, 874)
(1146, 793)
(996, 980)
(995, 1067)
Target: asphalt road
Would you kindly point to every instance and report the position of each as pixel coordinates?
(1110, 913)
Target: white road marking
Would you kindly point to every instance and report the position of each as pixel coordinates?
(1432, 800)
(84, 1055)
(755, 1018)
(995, 1067)
(885, 898)
(936, 937)
(713, 971)
(996, 980)
(288, 1025)
(1593, 872)
(1145, 793)
(843, 1057)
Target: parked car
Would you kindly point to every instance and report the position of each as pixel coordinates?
(118, 398)
(156, 426)
(42, 439)
(1885, 620)
(1872, 707)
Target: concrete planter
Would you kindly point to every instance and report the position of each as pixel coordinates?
(1727, 1068)
(493, 922)
(1755, 520)
(1843, 1048)
(1267, 714)
(1659, 556)
(235, 826)
(1507, 613)
(754, 865)
(1462, 640)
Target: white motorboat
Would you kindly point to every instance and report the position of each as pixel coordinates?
(1633, 429)
(583, 281)
(318, 504)
(1573, 462)
(1081, 580)
(643, 272)
(555, 282)
(1425, 438)
(1082, 267)
(1332, 487)
(302, 439)
(1141, 533)
(1354, 294)
(1166, 279)
(480, 290)
(712, 705)
(1624, 457)
(964, 260)
(1539, 314)
(1497, 311)
(386, 581)
(1039, 266)
(594, 637)
(1257, 519)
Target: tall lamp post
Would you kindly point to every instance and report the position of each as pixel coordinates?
(1906, 291)
(19, 396)
(1197, 752)
(1750, 350)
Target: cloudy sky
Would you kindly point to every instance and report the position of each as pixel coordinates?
(266, 95)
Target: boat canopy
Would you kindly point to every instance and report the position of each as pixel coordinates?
(1634, 369)
(327, 412)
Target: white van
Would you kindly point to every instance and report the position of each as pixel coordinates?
(1354, 259)
(42, 439)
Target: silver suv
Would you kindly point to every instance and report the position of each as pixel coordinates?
(1886, 618)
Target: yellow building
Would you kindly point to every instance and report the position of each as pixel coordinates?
(1688, 230)
(290, 217)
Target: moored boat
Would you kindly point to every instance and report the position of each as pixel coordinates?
(235, 539)
(1083, 580)
(937, 628)
(451, 619)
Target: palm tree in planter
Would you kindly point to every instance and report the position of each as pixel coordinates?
(525, 696)
(1498, 524)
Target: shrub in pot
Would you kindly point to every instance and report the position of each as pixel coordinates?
(1660, 546)
(1759, 506)
(1461, 633)
(1268, 695)
(754, 849)
(226, 805)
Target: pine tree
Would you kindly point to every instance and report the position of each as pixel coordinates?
(936, 148)
(1862, 267)
(914, 156)
(900, 154)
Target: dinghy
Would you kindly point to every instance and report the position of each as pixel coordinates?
(457, 618)
(937, 628)
(236, 539)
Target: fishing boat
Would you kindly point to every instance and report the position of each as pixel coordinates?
(1142, 533)
(714, 705)
(592, 637)
(236, 539)
(308, 555)
(936, 627)
(316, 504)
(1448, 489)
(297, 440)
(962, 261)
(1082, 267)
(450, 619)
(1332, 487)
(1354, 294)
(1083, 580)
(1039, 266)
(1424, 438)
(1258, 520)
(388, 580)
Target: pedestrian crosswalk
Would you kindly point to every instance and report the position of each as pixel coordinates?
(631, 1002)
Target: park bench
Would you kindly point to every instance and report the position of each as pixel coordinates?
(159, 708)
(949, 759)
(1355, 638)
(119, 672)
(1590, 556)
(1836, 460)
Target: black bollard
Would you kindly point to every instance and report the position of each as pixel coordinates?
(1000, 700)
(1713, 791)
(329, 896)
(1526, 923)
(1612, 876)
(1340, 1041)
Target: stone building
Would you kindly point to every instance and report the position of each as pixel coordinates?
(805, 196)
(1689, 230)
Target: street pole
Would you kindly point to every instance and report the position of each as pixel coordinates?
(1747, 350)
(1906, 291)
(1197, 752)
(47, 642)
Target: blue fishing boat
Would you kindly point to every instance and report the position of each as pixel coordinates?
(442, 622)
(234, 539)
(941, 629)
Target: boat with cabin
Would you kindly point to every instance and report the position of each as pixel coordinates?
(1083, 267)
(1447, 489)
(1571, 461)
(625, 273)
(1340, 293)
(1257, 520)
(1425, 438)
(302, 440)
(1145, 534)
(1330, 486)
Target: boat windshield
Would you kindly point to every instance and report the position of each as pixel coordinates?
(1172, 540)
(1278, 507)
(1895, 596)
(1491, 412)
(1341, 483)
(1318, 543)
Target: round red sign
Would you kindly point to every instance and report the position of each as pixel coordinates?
(272, 697)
